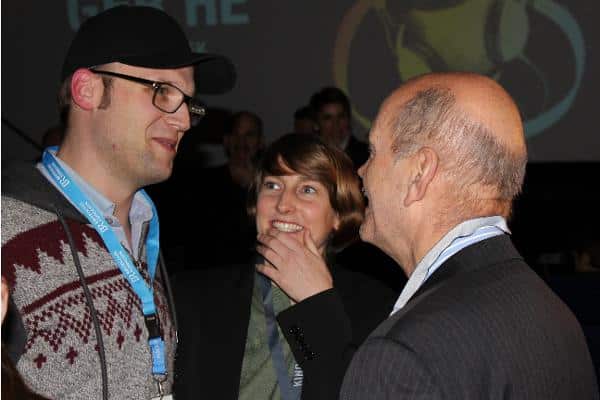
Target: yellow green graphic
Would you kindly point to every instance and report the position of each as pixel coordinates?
(481, 36)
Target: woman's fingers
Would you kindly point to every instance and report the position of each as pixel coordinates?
(269, 254)
(294, 264)
(275, 240)
(269, 271)
(310, 243)
(283, 247)
(291, 242)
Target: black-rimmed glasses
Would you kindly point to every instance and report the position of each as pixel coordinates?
(167, 97)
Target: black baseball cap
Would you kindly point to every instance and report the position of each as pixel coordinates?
(145, 37)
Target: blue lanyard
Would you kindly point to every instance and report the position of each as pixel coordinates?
(289, 388)
(119, 254)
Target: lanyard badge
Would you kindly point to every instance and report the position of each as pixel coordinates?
(289, 387)
(145, 293)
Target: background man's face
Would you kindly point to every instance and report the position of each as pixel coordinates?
(304, 125)
(334, 123)
(245, 140)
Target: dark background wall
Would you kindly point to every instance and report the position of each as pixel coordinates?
(541, 51)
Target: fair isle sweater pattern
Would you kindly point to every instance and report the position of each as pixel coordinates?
(60, 358)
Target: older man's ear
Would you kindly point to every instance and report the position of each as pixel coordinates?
(423, 165)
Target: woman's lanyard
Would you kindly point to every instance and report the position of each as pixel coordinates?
(120, 256)
(290, 388)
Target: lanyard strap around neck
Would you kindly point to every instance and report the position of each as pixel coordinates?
(288, 390)
(119, 253)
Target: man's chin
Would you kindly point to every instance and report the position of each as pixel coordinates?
(157, 175)
(365, 233)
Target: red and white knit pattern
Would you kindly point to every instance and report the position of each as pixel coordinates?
(61, 359)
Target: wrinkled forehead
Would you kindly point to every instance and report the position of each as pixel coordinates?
(385, 121)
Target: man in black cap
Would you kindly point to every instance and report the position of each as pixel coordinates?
(80, 245)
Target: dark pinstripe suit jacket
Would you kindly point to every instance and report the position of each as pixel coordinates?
(483, 326)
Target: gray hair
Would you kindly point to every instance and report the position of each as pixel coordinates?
(470, 155)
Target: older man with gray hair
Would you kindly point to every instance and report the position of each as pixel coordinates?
(447, 158)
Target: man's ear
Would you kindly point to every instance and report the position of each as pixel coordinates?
(423, 167)
(86, 89)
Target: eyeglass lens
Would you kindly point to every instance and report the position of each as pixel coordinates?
(169, 98)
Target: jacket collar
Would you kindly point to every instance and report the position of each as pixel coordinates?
(24, 182)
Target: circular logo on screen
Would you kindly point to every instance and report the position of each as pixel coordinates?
(381, 44)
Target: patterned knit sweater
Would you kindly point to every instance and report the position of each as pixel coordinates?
(61, 354)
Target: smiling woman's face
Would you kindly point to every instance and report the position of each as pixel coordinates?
(294, 203)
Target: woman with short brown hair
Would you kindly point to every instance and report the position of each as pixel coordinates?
(288, 330)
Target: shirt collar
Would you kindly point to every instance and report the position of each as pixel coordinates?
(462, 235)
(141, 210)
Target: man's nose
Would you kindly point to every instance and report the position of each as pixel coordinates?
(361, 170)
(181, 118)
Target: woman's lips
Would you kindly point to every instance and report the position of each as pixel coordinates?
(288, 227)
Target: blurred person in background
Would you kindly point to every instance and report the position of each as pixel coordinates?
(333, 115)
(304, 120)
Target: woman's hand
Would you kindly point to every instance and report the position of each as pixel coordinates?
(297, 268)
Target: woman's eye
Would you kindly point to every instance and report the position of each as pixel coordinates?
(271, 185)
(308, 189)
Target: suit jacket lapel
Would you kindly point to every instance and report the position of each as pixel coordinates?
(486, 253)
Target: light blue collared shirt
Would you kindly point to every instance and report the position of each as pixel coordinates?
(464, 234)
(140, 213)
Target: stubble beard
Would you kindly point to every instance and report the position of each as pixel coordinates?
(153, 170)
